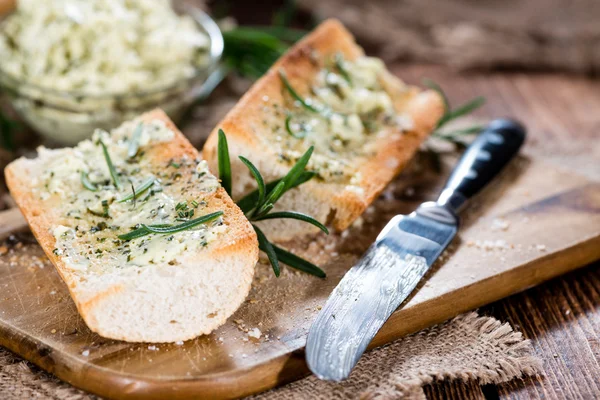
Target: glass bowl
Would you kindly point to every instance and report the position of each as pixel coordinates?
(67, 117)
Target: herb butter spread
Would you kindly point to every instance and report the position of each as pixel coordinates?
(100, 46)
(347, 109)
(103, 199)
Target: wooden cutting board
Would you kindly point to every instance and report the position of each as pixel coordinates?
(534, 223)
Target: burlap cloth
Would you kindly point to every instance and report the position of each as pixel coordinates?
(467, 347)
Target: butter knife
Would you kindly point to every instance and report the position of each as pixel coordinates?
(401, 255)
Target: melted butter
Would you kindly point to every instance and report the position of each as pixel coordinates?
(90, 221)
(358, 111)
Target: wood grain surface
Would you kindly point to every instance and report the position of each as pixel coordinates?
(553, 225)
(561, 317)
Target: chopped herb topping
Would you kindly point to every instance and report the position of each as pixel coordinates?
(136, 192)
(85, 181)
(111, 168)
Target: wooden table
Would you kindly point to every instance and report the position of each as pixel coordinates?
(561, 317)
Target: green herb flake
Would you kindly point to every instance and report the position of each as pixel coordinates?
(111, 168)
(85, 181)
(137, 191)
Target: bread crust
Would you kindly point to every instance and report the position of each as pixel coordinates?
(238, 240)
(244, 122)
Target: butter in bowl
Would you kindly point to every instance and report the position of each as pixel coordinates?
(69, 66)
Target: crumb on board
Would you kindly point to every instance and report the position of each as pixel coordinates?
(255, 333)
(489, 245)
(499, 224)
(85, 353)
(541, 247)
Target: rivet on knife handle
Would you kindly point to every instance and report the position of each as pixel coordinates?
(495, 146)
(402, 254)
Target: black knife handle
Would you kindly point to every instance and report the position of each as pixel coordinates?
(495, 146)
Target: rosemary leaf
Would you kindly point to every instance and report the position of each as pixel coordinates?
(268, 248)
(453, 136)
(272, 197)
(288, 128)
(139, 232)
(258, 177)
(298, 263)
(184, 226)
(111, 168)
(251, 51)
(144, 230)
(294, 173)
(295, 94)
(294, 215)
(134, 143)
(85, 181)
(136, 192)
(339, 64)
(224, 162)
(465, 109)
(433, 85)
(250, 200)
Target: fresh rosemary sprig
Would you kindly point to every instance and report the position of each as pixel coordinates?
(247, 202)
(251, 50)
(224, 162)
(144, 230)
(111, 168)
(257, 205)
(452, 114)
(288, 127)
(295, 94)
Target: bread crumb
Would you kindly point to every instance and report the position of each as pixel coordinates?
(255, 333)
(499, 224)
(358, 223)
(541, 247)
(53, 331)
(179, 343)
(85, 353)
(152, 347)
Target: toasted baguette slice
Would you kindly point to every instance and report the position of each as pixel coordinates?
(158, 288)
(250, 127)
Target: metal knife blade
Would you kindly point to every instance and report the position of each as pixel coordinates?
(403, 252)
(374, 288)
